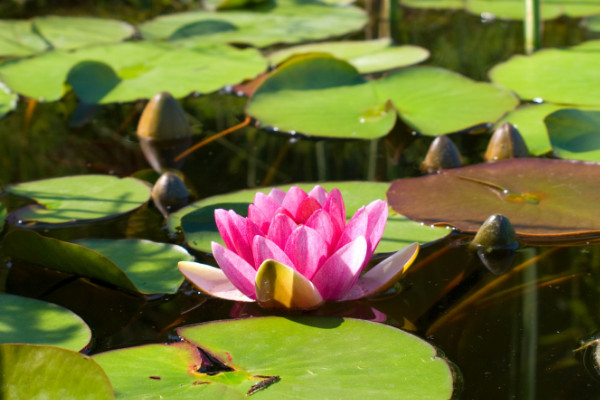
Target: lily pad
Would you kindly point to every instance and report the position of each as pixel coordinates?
(366, 56)
(295, 358)
(566, 76)
(131, 70)
(323, 96)
(69, 33)
(575, 134)
(79, 198)
(288, 21)
(544, 199)
(198, 223)
(42, 372)
(17, 38)
(8, 100)
(32, 321)
(132, 264)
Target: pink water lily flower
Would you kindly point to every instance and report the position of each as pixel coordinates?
(296, 250)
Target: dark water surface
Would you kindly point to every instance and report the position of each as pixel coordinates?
(511, 336)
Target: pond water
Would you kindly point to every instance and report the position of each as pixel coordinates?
(511, 336)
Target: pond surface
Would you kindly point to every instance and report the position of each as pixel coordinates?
(511, 336)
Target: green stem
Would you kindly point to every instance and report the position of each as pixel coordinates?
(532, 26)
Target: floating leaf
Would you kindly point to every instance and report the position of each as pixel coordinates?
(562, 76)
(323, 96)
(544, 199)
(434, 4)
(288, 21)
(69, 33)
(131, 70)
(78, 198)
(41, 372)
(8, 100)
(314, 362)
(575, 134)
(17, 38)
(32, 321)
(132, 264)
(198, 223)
(366, 56)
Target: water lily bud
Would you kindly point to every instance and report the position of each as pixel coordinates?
(442, 154)
(496, 244)
(170, 193)
(505, 143)
(164, 132)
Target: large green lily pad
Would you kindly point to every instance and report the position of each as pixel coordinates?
(575, 134)
(566, 76)
(8, 100)
(42, 372)
(323, 96)
(545, 199)
(32, 321)
(292, 358)
(131, 264)
(130, 71)
(288, 21)
(366, 56)
(22, 38)
(79, 198)
(198, 223)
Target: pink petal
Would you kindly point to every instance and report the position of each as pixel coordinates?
(334, 205)
(281, 228)
(341, 270)
(237, 270)
(319, 194)
(266, 204)
(321, 222)
(357, 226)
(307, 250)
(278, 195)
(293, 198)
(306, 209)
(378, 213)
(383, 275)
(211, 281)
(264, 249)
(259, 218)
(232, 228)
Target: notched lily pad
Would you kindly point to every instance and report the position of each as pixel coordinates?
(80, 198)
(319, 95)
(42, 372)
(545, 200)
(198, 223)
(131, 264)
(31, 321)
(212, 362)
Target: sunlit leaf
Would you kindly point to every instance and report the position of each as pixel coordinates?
(17, 38)
(566, 76)
(131, 70)
(544, 199)
(313, 362)
(64, 32)
(8, 100)
(322, 96)
(78, 198)
(288, 21)
(132, 264)
(575, 134)
(198, 223)
(366, 56)
(42, 372)
(32, 321)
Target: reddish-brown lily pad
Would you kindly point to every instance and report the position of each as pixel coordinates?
(545, 200)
